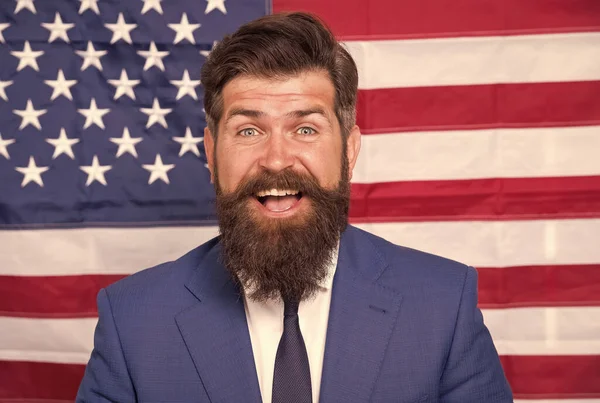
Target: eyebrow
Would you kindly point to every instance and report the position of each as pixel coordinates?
(306, 112)
(243, 112)
(293, 114)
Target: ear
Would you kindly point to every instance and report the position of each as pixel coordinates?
(353, 147)
(209, 150)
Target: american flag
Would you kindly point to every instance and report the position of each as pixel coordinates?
(481, 122)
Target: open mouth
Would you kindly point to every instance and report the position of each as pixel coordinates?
(279, 200)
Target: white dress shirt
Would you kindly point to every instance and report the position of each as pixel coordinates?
(265, 323)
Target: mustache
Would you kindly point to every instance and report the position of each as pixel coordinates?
(285, 179)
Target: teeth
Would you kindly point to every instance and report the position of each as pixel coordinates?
(276, 192)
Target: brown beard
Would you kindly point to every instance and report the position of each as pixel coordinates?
(286, 257)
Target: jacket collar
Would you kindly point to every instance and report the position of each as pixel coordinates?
(361, 318)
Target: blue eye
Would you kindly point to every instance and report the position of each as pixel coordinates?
(306, 131)
(248, 132)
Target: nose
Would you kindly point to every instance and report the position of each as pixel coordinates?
(278, 153)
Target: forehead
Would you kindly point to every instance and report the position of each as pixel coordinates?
(271, 94)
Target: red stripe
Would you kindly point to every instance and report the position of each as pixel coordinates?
(52, 296)
(26, 381)
(479, 106)
(391, 19)
(568, 285)
(553, 377)
(511, 287)
(476, 199)
(531, 377)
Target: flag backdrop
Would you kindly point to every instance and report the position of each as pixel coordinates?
(481, 122)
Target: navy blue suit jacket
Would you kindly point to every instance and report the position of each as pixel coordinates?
(403, 327)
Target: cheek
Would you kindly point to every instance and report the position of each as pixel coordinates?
(232, 167)
(325, 164)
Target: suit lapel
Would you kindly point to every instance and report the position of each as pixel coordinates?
(361, 318)
(216, 335)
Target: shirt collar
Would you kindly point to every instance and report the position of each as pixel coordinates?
(327, 282)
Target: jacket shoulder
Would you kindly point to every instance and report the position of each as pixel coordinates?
(161, 278)
(408, 266)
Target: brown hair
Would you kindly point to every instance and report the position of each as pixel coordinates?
(277, 46)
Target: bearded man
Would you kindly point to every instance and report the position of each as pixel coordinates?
(290, 304)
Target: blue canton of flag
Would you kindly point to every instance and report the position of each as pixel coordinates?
(101, 117)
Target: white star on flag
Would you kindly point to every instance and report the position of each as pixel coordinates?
(95, 172)
(184, 30)
(152, 5)
(30, 116)
(121, 30)
(158, 170)
(28, 4)
(27, 57)
(126, 143)
(93, 115)
(188, 143)
(61, 86)
(91, 56)
(32, 173)
(89, 5)
(124, 86)
(58, 29)
(3, 86)
(153, 57)
(215, 4)
(205, 53)
(63, 145)
(156, 114)
(186, 86)
(3, 26)
(3, 144)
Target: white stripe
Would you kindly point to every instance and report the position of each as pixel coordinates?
(127, 250)
(95, 250)
(501, 153)
(522, 331)
(515, 331)
(47, 340)
(498, 243)
(477, 60)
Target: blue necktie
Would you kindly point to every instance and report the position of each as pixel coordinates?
(291, 379)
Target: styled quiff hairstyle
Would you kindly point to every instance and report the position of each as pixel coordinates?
(276, 47)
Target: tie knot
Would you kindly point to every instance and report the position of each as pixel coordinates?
(290, 307)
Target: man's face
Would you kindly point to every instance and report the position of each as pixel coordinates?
(274, 125)
(281, 168)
